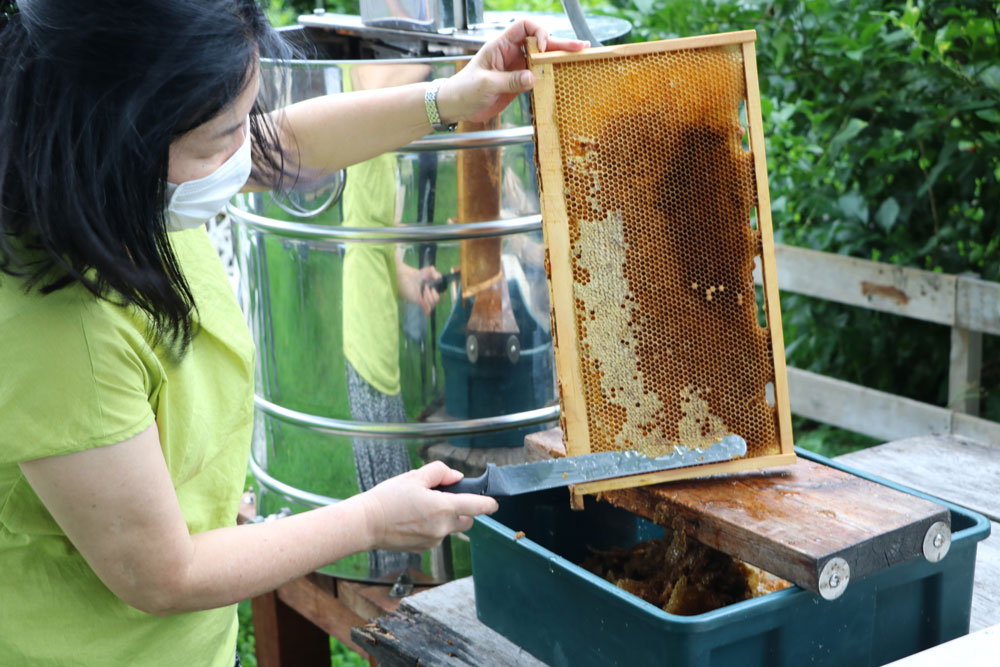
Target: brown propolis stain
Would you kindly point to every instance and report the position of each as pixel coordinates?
(884, 291)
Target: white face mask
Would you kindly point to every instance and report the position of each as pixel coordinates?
(192, 203)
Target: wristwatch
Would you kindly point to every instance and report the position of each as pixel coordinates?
(431, 105)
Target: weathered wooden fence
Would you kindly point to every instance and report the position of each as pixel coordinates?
(971, 307)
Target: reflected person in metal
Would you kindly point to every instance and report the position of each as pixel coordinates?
(127, 368)
(376, 282)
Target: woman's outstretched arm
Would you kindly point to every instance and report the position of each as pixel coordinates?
(335, 131)
(118, 507)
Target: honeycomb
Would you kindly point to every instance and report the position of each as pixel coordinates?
(660, 192)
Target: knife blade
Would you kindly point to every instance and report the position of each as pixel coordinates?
(514, 480)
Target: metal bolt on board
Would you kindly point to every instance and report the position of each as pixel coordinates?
(833, 578)
(937, 541)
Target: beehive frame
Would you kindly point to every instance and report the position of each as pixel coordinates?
(573, 167)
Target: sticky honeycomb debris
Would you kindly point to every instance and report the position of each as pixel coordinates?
(681, 575)
(659, 191)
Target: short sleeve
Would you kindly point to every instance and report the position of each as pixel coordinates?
(76, 375)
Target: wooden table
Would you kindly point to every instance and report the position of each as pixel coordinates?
(439, 625)
(960, 471)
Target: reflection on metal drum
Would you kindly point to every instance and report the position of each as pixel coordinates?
(328, 270)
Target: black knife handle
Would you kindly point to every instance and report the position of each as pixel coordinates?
(439, 284)
(476, 485)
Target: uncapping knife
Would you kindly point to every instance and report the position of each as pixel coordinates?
(528, 477)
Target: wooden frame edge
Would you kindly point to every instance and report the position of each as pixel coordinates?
(768, 263)
(688, 472)
(555, 228)
(697, 42)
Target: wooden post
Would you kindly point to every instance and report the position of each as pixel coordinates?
(284, 638)
(965, 368)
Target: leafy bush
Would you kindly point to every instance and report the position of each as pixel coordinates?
(882, 124)
(883, 142)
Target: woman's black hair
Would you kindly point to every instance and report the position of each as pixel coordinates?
(93, 93)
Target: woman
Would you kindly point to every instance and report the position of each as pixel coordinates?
(127, 369)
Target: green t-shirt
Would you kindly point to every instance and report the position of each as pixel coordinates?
(371, 307)
(77, 373)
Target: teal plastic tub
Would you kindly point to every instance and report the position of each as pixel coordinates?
(531, 591)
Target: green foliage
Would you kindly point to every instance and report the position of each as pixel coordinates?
(341, 656)
(828, 441)
(285, 12)
(524, 5)
(883, 126)
(279, 12)
(245, 645)
(883, 142)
